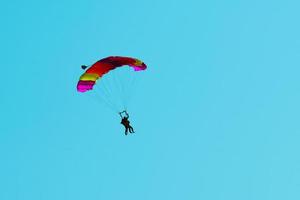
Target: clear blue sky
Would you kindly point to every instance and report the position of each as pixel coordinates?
(216, 113)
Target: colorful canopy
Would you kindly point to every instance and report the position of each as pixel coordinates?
(103, 66)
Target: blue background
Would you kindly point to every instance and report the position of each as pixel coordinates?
(216, 113)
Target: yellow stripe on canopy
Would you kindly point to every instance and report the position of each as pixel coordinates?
(89, 77)
(138, 62)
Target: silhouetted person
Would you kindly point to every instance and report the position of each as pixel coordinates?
(126, 123)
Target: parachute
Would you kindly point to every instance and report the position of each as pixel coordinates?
(108, 67)
(103, 66)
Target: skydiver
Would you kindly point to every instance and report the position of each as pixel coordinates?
(126, 122)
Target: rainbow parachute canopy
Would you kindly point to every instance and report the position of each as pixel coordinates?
(103, 66)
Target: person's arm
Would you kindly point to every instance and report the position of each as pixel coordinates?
(126, 114)
(120, 114)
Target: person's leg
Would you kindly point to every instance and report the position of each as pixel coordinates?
(131, 129)
(126, 130)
